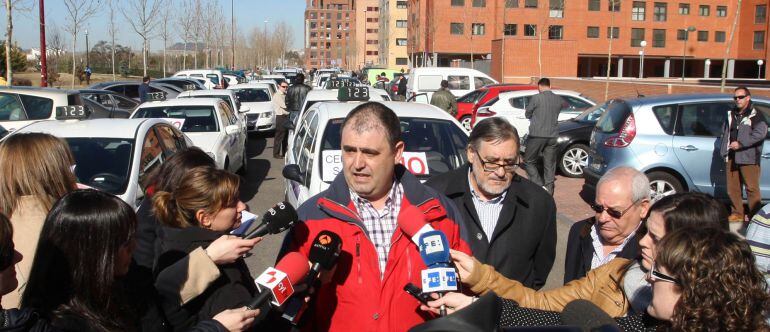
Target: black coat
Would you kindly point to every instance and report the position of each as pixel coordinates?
(580, 250)
(295, 96)
(147, 231)
(523, 245)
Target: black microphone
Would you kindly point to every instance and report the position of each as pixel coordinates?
(276, 220)
(588, 317)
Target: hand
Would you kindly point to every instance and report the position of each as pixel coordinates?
(237, 319)
(228, 248)
(453, 302)
(463, 262)
(735, 145)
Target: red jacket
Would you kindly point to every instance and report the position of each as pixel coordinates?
(357, 299)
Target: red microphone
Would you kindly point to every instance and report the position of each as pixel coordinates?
(277, 284)
(412, 222)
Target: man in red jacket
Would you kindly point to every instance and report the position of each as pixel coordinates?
(363, 205)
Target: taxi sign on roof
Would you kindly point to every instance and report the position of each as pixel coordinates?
(156, 96)
(353, 93)
(72, 112)
(338, 83)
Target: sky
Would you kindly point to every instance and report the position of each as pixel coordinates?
(248, 13)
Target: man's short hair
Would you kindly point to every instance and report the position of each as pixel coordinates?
(299, 79)
(492, 130)
(640, 184)
(146, 79)
(369, 116)
(748, 93)
(382, 74)
(544, 82)
(444, 84)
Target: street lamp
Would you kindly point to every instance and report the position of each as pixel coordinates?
(684, 49)
(87, 51)
(708, 68)
(759, 71)
(641, 59)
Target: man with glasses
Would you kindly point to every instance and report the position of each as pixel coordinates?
(281, 115)
(622, 201)
(511, 220)
(743, 136)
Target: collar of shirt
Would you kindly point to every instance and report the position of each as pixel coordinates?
(394, 195)
(599, 258)
(497, 200)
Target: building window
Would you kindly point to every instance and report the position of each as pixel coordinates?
(658, 38)
(613, 32)
(479, 3)
(594, 5)
(400, 41)
(759, 40)
(402, 61)
(593, 32)
(477, 29)
(509, 29)
(530, 3)
(400, 5)
(339, 16)
(721, 11)
(681, 34)
(660, 12)
(637, 11)
(684, 9)
(400, 23)
(704, 10)
(637, 35)
(556, 8)
(719, 36)
(458, 3)
(511, 3)
(456, 28)
(556, 32)
(613, 5)
(369, 19)
(760, 15)
(530, 30)
(703, 36)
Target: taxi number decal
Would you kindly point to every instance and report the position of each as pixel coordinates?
(176, 122)
(415, 162)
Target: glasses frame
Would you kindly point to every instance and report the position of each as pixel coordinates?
(610, 211)
(510, 167)
(655, 275)
(740, 97)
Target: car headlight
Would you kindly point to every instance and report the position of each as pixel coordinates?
(266, 115)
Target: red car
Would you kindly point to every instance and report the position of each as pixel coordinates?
(469, 103)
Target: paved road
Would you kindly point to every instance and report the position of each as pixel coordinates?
(263, 186)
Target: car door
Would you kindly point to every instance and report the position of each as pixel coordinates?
(698, 127)
(124, 103)
(151, 156)
(294, 189)
(764, 179)
(17, 111)
(230, 140)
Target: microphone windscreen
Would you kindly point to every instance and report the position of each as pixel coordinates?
(587, 316)
(325, 250)
(434, 248)
(295, 265)
(280, 217)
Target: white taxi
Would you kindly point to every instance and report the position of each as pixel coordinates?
(256, 98)
(209, 122)
(434, 143)
(115, 155)
(20, 106)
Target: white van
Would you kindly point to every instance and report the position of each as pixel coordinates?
(428, 79)
(213, 77)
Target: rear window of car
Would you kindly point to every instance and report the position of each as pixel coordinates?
(613, 118)
(665, 115)
(252, 95)
(196, 118)
(38, 108)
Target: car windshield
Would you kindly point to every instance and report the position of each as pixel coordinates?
(614, 118)
(226, 98)
(102, 163)
(438, 144)
(252, 95)
(593, 113)
(195, 119)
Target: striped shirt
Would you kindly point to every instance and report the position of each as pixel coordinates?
(758, 237)
(380, 224)
(487, 210)
(599, 258)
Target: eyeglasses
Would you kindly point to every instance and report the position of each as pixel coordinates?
(739, 97)
(610, 211)
(655, 275)
(493, 167)
(284, 86)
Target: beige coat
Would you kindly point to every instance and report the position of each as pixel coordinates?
(27, 221)
(603, 286)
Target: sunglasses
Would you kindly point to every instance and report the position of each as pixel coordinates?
(739, 97)
(284, 86)
(655, 275)
(610, 211)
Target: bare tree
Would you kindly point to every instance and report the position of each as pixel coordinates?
(10, 7)
(283, 38)
(143, 16)
(197, 26)
(113, 30)
(165, 34)
(185, 22)
(79, 12)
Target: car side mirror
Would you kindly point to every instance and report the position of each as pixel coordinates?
(232, 129)
(292, 172)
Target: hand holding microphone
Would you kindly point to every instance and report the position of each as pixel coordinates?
(228, 248)
(277, 219)
(463, 262)
(452, 301)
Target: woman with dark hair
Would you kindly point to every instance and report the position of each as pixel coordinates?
(618, 287)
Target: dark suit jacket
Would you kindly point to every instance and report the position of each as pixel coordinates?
(523, 245)
(580, 250)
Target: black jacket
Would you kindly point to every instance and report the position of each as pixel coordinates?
(580, 250)
(23, 320)
(233, 289)
(147, 230)
(295, 97)
(523, 245)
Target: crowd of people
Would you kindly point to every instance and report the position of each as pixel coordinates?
(83, 260)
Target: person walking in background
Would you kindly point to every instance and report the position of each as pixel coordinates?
(281, 115)
(401, 92)
(743, 135)
(88, 75)
(543, 114)
(444, 99)
(144, 89)
(295, 95)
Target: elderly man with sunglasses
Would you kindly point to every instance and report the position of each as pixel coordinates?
(622, 201)
(511, 220)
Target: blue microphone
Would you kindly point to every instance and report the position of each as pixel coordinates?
(440, 276)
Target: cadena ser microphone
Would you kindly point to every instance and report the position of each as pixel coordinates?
(277, 284)
(588, 317)
(276, 220)
(440, 276)
(412, 222)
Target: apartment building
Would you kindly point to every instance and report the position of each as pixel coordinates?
(367, 33)
(393, 34)
(330, 33)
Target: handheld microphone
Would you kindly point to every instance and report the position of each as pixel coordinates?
(277, 284)
(440, 276)
(277, 219)
(588, 317)
(413, 223)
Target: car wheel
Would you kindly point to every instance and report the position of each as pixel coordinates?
(573, 160)
(663, 184)
(466, 122)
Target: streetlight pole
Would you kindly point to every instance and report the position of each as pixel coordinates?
(232, 32)
(641, 59)
(87, 48)
(759, 71)
(264, 51)
(684, 49)
(43, 51)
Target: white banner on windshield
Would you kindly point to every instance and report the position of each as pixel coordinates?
(415, 162)
(176, 122)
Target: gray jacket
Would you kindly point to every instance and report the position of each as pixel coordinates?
(751, 136)
(543, 114)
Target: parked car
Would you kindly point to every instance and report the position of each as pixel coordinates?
(256, 99)
(98, 111)
(214, 77)
(674, 139)
(471, 101)
(461, 81)
(130, 89)
(20, 106)
(183, 83)
(110, 100)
